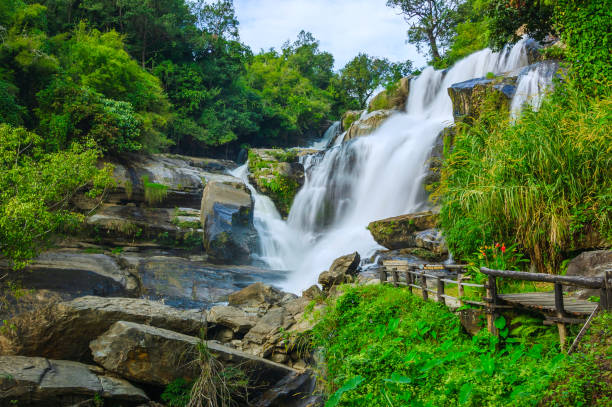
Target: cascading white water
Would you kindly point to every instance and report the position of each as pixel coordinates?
(533, 83)
(368, 178)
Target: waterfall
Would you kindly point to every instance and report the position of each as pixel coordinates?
(330, 135)
(533, 83)
(369, 178)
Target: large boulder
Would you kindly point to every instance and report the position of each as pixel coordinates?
(277, 174)
(341, 270)
(399, 232)
(66, 330)
(256, 297)
(367, 124)
(157, 356)
(232, 318)
(470, 97)
(227, 220)
(36, 381)
(431, 240)
(71, 273)
(392, 98)
(590, 264)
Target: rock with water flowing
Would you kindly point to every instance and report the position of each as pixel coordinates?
(349, 117)
(400, 231)
(367, 124)
(340, 272)
(440, 150)
(40, 382)
(227, 220)
(393, 98)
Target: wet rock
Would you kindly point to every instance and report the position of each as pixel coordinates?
(277, 174)
(72, 273)
(470, 97)
(256, 297)
(590, 264)
(441, 149)
(367, 124)
(293, 391)
(66, 331)
(394, 98)
(341, 270)
(233, 318)
(36, 381)
(227, 220)
(432, 240)
(399, 232)
(153, 355)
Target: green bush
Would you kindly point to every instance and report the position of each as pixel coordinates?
(539, 183)
(384, 346)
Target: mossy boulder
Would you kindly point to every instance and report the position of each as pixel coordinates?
(471, 98)
(349, 117)
(366, 125)
(277, 174)
(394, 97)
(227, 221)
(401, 231)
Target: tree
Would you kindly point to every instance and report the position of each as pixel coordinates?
(431, 22)
(364, 74)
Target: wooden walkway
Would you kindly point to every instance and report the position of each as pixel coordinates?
(545, 302)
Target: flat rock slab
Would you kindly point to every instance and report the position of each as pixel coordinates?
(158, 356)
(36, 381)
(76, 323)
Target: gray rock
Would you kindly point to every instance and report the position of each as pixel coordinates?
(35, 381)
(432, 240)
(590, 264)
(399, 232)
(340, 271)
(312, 292)
(67, 333)
(153, 355)
(367, 124)
(73, 273)
(469, 97)
(256, 296)
(227, 220)
(231, 317)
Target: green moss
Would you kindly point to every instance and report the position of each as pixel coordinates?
(349, 119)
(153, 193)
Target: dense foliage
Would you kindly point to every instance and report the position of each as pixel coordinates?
(386, 347)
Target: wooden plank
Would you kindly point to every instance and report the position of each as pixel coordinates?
(590, 282)
(546, 302)
(394, 263)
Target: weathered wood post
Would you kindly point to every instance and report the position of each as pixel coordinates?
(395, 275)
(605, 294)
(491, 288)
(424, 285)
(440, 290)
(460, 292)
(409, 279)
(560, 314)
(382, 274)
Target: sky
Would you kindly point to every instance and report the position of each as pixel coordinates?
(344, 27)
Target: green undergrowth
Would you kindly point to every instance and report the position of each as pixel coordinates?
(384, 346)
(542, 183)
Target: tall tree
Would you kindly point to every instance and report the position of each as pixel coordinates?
(431, 22)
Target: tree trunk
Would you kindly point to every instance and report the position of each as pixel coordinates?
(433, 45)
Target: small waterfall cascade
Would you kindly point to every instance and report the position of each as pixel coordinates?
(369, 178)
(534, 81)
(329, 137)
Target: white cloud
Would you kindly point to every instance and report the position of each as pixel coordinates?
(344, 27)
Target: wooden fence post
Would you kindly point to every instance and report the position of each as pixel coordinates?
(383, 275)
(440, 290)
(492, 300)
(424, 285)
(395, 275)
(560, 314)
(460, 288)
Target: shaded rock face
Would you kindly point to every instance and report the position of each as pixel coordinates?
(71, 274)
(441, 149)
(341, 270)
(432, 240)
(469, 97)
(367, 124)
(277, 174)
(399, 232)
(72, 325)
(35, 381)
(157, 356)
(237, 320)
(590, 264)
(394, 98)
(227, 220)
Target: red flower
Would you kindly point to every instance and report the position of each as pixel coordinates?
(496, 245)
(503, 248)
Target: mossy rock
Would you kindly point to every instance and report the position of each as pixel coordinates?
(277, 174)
(400, 232)
(368, 124)
(349, 117)
(471, 98)
(395, 97)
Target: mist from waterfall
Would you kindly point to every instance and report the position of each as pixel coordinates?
(367, 179)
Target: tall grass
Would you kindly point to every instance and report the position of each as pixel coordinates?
(541, 183)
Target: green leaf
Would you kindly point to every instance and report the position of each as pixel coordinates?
(398, 379)
(500, 322)
(348, 386)
(465, 393)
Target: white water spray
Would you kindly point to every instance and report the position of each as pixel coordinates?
(368, 178)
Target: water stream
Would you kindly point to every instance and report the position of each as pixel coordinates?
(369, 178)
